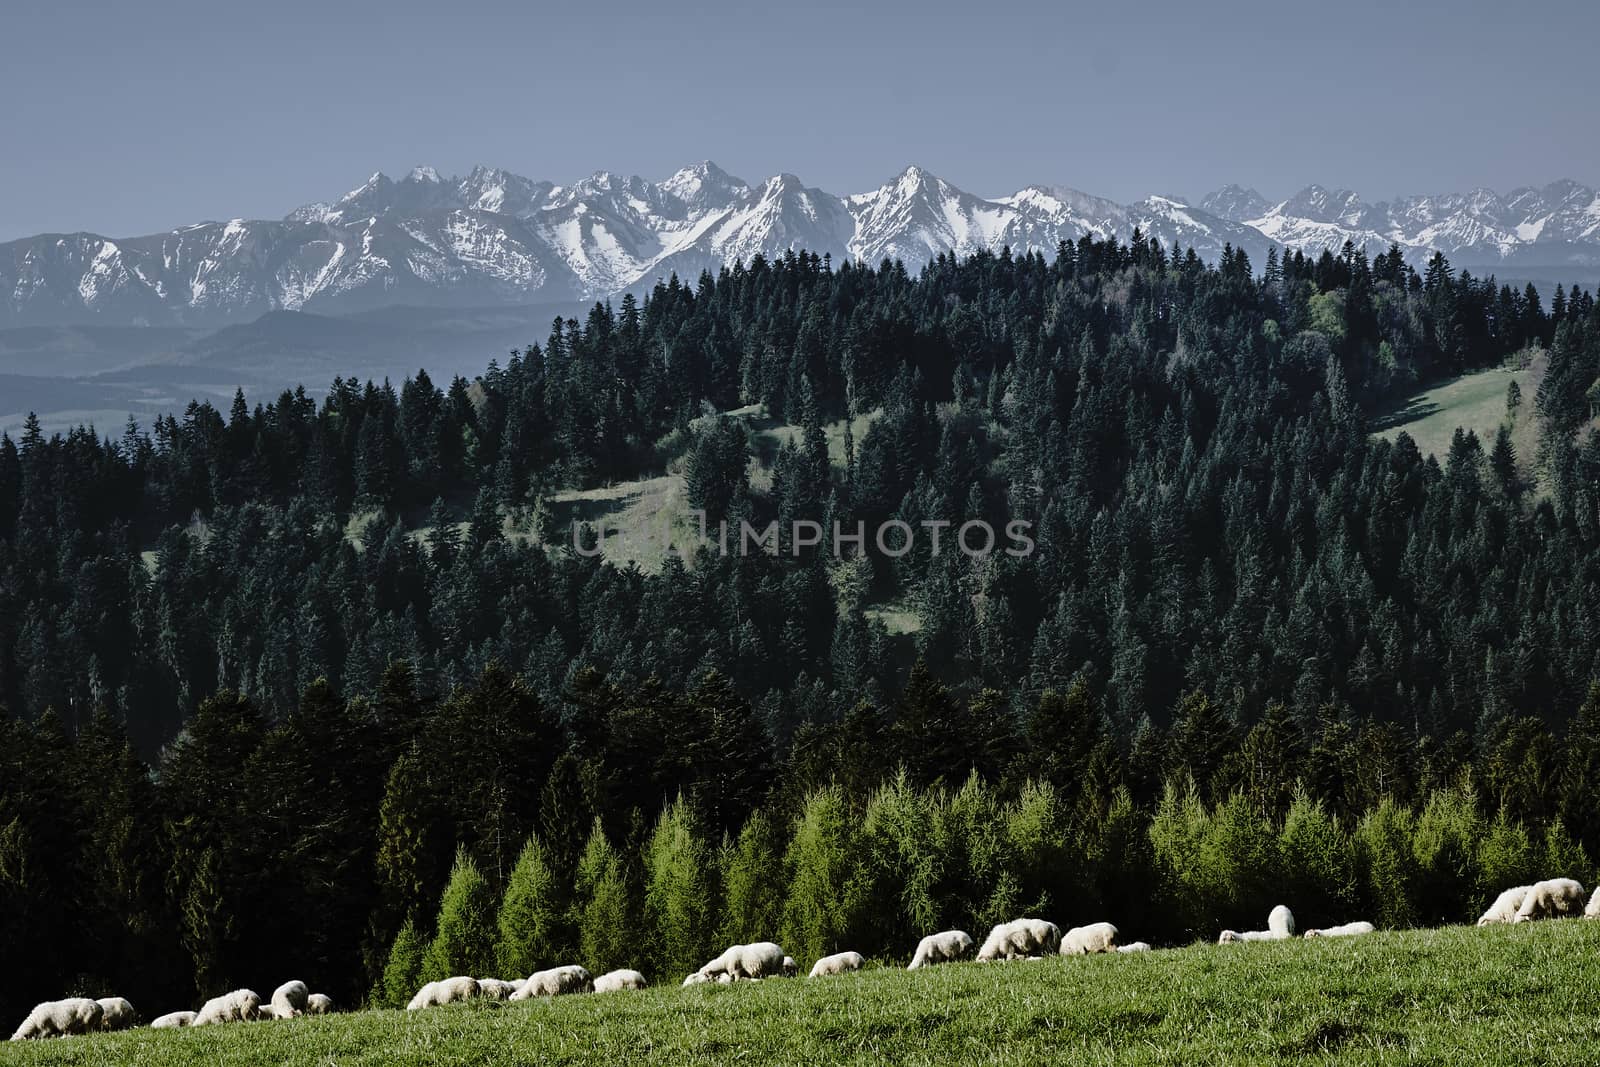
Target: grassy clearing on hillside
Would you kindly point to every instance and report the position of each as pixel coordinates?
(1474, 402)
(1499, 995)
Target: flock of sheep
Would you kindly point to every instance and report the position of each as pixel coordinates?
(1018, 939)
(80, 1015)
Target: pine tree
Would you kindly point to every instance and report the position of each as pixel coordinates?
(605, 912)
(753, 882)
(464, 939)
(532, 924)
(402, 974)
(678, 889)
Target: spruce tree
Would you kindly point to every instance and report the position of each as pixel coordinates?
(464, 939)
(604, 912)
(678, 890)
(532, 925)
(753, 882)
(402, 974)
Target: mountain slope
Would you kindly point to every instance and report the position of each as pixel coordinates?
(497, 238)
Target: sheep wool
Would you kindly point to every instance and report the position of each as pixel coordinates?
(760, 959)
(117, 1014)
(943, 947)
(838, 963)
(240, 1006)
(1504, 908)
(444, 991)
(319, 1004)
(1355, 929)
(173, 1020)
(697, 978)
(1281, 921)
(1085, 940)
(618, 980)
(1021, 938)
(496, 988)
(1551, 899)
(790, 967)
(555, 982)
(1593, 908)
(58, 1018)
(289, 1000)
(1136, 946)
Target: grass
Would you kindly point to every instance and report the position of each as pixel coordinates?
(1474, 402)
(1461, 995)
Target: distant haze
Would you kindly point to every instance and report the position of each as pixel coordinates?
(124, 119)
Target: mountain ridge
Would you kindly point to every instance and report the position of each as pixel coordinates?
(494, 237)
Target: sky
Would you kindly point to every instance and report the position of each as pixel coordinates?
(129, 118)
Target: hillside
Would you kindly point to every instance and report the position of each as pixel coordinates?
(1461, 995)
(1475, 402)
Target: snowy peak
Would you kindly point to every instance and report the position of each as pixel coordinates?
(496, 237)
(1235, 203)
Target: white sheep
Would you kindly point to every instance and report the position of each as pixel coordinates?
(1020, 938)
(1593, 909)
(1231, 936)
(760, 959)
(555, 982)
(618, 980)
(724, 978)
(117, 1014)
(267, 1012)
(240, 1006)
(1136, 946)
(289, 1000)
(1504, 908)
(1355, 929)
(496, 988)
(57, 1018)
(838, 963)
(943, 947)
(1281, 922)
(319, 1004)
(790, 967)
(444, 991)
(697, 978)
(173, 1020)
(1551, 899)
(1084, 940)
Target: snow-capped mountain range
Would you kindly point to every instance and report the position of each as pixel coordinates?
(496, 238)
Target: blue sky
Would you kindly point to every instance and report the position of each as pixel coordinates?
(133, 117)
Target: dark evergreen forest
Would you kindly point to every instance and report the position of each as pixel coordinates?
(319, 689)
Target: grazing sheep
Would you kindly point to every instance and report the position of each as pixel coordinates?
(289, 1000)
(697, 978)
(1021, 938)
(943, 947)
(838, 963)
(240, 1006)
(616, 981)
(760, 959)
(1281, 921)
(1136, 946)
(1504, 908)
(173, 1020)
(57, 1018)
(790, 967)
(266, 1012)
(555, 982)
(1551, 899)
(1231, 936)
(319, 1004)
(496, 989)
(117, 1014)
(724, 978)
(444, 991)
(1593, 908)
(1083, 940)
